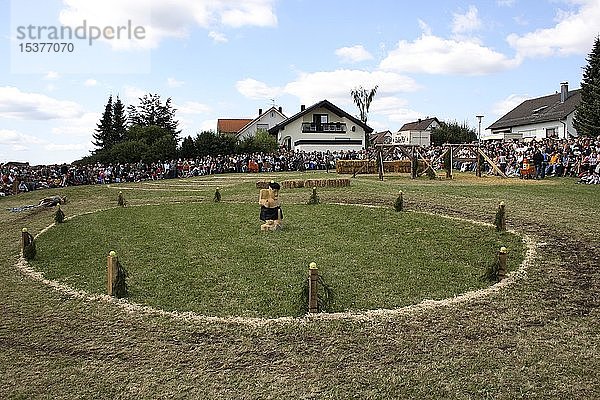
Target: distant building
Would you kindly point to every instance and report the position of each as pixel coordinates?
(321, 127)
(227, 126)
(384, 137)
(265, 121)
(543, 117)
(416, 133)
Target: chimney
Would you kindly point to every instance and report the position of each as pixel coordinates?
(259, 112)
(280, 109)
(564, 91)
(302, 107)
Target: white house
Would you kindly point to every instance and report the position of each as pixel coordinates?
(542, 117)
(321, 127)
(416, 133)
(265, 121)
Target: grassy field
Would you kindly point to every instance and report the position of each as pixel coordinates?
(534, 338)
(210, 258)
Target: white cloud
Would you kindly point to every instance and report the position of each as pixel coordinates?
(253, 89)
(425, 28)
(466, 23)
(192, 107)
(217, 37)
(51, 76)
(22, 105)
(166, 19)
(394, 108)
(387, 105)
(12, 137)
(353, 54)
(208, 125)
(174, 83)
(336, 85)
(133, 94)
(506, 3)
(79, 147)
(83, 126)
(238, 13)
(434, 55)
(520, 20)
(90, 82)
(504, 106)
(573, 33)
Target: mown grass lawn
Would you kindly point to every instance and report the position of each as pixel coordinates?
(212, 259)
(531, 339)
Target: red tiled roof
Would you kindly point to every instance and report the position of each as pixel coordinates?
(231, 125)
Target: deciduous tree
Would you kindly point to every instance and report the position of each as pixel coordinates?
(363, 98)
(453, 132)
(152, 112)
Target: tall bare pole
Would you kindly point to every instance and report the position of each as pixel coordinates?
(478, 172)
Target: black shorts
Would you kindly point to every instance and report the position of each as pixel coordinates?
(270, 213)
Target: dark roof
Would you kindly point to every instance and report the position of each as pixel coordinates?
(377, 137)
(325, 104)
(419, 125)
(541, 109)
(231, 125)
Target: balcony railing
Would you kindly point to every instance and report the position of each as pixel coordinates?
(329, 127)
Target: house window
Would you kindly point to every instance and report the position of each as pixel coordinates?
(262, 127)
(551, 133)
(320, 118)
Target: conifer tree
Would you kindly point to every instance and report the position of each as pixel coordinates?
(119, 128)
(103, 135)
(587, 114)
(188, 148)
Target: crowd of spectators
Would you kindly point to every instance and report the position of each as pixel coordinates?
(536, 159)
(533, 159)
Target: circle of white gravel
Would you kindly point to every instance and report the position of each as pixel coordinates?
(359, 316)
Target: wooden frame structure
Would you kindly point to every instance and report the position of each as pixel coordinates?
(415, 154)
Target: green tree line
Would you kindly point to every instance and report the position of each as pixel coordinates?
(149, 132)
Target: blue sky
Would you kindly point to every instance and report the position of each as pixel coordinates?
(228, 58)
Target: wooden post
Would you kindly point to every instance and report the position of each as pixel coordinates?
(380, 169)
(451, 162)
(414, 166)
(502, 257)
(25, 240)
(502, 210)
(313, 276)
(111, 271)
